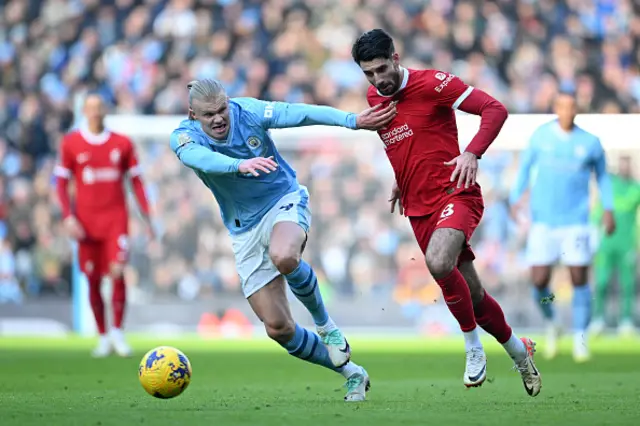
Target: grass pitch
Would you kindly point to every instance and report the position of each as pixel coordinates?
(55, 382)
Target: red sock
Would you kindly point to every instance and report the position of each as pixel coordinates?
(458, 298)
(97, 304)
(119, 301)
(490, 317)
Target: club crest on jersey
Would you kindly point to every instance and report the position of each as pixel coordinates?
(254, 142)
(115, 155)
(183, 139)
(83, 157)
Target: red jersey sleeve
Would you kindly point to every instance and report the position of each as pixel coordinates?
(445, 89)
(131, 166)
(450, 91)
(66, 160)
(130, 163)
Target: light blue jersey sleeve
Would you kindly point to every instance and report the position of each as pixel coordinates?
(524, 171)
(197, 157)
(602, 176)
(282, 115)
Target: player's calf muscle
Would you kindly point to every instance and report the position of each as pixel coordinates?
(470, 275)
(272, 308)
(443, 250)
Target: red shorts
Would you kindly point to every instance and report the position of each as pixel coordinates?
(461, 211)
(97, 255)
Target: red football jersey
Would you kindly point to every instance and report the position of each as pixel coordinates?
(423, 136)
(98, 164)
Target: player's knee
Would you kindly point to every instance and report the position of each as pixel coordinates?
(116, 270)
(286, 260)
(439, 264)
(280, 329)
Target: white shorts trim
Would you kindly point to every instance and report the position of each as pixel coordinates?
(251, 248)
(570, 245)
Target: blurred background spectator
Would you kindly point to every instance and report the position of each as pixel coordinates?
(139, 54)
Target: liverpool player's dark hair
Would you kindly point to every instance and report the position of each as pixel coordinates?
(374, 44)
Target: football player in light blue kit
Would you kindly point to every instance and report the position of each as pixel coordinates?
(563, 156)
(227, 144)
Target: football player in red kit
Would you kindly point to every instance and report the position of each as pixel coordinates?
(436, 188)
(98, 160)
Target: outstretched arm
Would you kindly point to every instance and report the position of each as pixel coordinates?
(200, 158)
(281, 115)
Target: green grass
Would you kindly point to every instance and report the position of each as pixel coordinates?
(55, 382)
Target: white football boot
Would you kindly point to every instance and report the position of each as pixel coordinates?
(337, 345)
(120, 344)
(475, 372)
(551, 344)
(104, 347)
(626, 328)
(597, 326)
(530, 375)
(357, 385)
(580, 349)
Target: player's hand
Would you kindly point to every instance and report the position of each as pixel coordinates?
(376, 117)
(466, 169)
(396, 198)
(609, 222)
(254, 165)
(73, 228)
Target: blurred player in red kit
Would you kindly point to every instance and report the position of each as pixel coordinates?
(436, 188)
(98, 160)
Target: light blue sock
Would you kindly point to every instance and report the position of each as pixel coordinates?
(307, 346)
(581, 307)
(544, 299)
(304, 285)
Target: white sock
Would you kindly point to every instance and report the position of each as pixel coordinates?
(579, 339)
(471, 339)
(350, 369)
(515, 348)
(328, 327)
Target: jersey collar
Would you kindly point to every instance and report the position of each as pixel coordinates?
(94, 139)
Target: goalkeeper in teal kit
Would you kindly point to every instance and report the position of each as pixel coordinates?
(228, 145)
(618, 252)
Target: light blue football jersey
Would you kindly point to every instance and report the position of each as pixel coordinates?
(245, 199)
(559, 166)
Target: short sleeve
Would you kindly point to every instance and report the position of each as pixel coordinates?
(66, 160)
(445, 89)
(131, 164)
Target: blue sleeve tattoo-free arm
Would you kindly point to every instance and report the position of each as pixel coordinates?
(604, 181)
(281, 115)
(200, 158)
(524, 173)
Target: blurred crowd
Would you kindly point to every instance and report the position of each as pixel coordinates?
(139, 54)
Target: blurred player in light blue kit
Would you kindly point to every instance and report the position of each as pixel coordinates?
(227, 144)
(562, 157)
